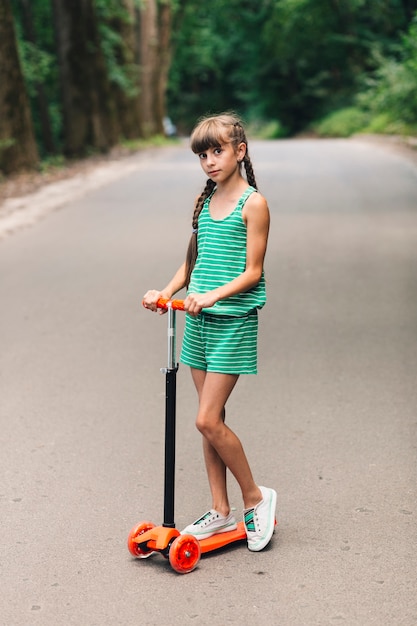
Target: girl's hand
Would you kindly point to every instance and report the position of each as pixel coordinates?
(194, 302)
(150, 299)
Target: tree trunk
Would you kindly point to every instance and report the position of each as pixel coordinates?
(155, 57)
(148, 62)
(17, 142)
(128, 103)
(164, 61)
(88, 107)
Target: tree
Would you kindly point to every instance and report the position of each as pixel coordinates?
(135, 39)
(391, 92)
(117, 27)
(163, 61)
(40, 94)
(319, 50)
(218, 58)
(285, 60)
(88, 106)
(17, 142)
(154, 19)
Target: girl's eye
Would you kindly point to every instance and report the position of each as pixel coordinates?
(202, 155)
(217, 151)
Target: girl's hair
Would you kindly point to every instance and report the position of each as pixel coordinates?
(212, 132)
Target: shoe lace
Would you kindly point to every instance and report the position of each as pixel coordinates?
(205, 519)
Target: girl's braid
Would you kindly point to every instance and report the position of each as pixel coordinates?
(239, 136)
(249, 171)
(192, 251)
(210, 184)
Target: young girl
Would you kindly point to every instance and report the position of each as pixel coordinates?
(223, 273)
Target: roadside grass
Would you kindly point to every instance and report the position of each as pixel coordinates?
(270, 129)
(126, 146)
(354, 120)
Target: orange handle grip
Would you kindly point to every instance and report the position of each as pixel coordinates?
(178, 305)
(162, 303)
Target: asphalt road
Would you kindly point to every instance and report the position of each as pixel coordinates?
(330, 421)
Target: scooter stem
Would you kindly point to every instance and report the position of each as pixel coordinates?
(170, 420)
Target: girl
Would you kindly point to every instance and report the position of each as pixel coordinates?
(223, 273)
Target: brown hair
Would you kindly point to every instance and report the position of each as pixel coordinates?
(211, 132)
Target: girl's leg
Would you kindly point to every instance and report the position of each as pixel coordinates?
(222, 447)
(216, 469)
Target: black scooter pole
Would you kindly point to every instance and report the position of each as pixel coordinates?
(170, 420)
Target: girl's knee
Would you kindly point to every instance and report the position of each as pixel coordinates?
(202, 424)
(209, 425)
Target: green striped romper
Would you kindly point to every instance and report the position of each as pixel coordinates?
(223, 338)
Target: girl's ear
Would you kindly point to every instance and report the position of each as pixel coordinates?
(241, 151)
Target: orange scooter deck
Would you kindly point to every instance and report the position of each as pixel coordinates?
(215, 542)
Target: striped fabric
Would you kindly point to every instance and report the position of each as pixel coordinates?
(222, 257)
(221, 343)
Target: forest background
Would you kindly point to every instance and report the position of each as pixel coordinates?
(78, 77)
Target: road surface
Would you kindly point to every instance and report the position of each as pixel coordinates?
(330, 421)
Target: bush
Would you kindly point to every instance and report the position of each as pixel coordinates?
(342, 123)
(385, 124)
(391, 93)
(267, 130)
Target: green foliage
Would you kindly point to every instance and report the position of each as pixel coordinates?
(385, 124)
(354, 120)
(7, 143)
(342, 123)
(267, 130)
(52, 163)
(39, 65)
(388, 102)
(132, 145)
(292, 60)
(281, 64)
(217, 59)
(122, 72)
(319, 50)
(392, 89)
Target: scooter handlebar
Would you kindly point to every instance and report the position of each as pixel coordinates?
(166, 303)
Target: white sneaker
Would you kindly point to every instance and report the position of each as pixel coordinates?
(210, 524)
(260, 520)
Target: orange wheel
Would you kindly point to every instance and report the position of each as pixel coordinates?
(184, 554)
(133, 546)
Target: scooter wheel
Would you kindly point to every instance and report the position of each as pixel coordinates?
(184, 554)
(133, 547)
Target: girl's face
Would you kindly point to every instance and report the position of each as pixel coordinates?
(220, 162)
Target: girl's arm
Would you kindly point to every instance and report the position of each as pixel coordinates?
(256, 216)
(152, 296)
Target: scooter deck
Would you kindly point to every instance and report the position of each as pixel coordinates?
(215, 542)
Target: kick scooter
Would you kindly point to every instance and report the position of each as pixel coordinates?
(183, 551)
